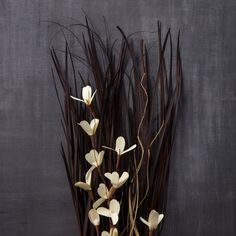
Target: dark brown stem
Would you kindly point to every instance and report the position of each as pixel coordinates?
(90, 193)
(111, 192)
(117, 162)
(91, 111)
(97, 230)
(110, 223)
(100, 174)
(150, 233)
(93, 142)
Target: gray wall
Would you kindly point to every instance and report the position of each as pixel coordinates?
(34, 196)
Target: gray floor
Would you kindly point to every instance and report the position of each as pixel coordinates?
(34, 197)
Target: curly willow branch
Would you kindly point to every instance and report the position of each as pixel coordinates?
(148, 161)
(133, 227)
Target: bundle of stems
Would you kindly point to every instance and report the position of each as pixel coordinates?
(110, 99)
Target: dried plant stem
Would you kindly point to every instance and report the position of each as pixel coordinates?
(117, 161)
(150, 233)
(100, 174)
(111, 193)
(155, 137)
(141, 159)
(92, 111)
(97, 230)
(90, 194)
(147, 177)
(141, 122)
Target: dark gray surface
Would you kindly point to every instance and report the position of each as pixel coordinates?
(34, 197)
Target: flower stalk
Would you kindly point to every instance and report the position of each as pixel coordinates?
(150, 233)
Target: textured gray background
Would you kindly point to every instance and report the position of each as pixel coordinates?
(34, 196)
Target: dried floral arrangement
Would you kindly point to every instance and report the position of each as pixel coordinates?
(119, 122)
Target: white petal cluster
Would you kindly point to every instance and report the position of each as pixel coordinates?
(103, 193)
(116, 180)
(112, 212)
(113, 232)
(154, 219)
(120, 146)
(94, 158)
(86, 95)
(88, 177)
(89, 128)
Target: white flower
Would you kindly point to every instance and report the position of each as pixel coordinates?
(86, 95)
(91, 128)
(103, 193)
(120, 146)
(116, 180)
(94, 158)
(112, 212)
(88, 177)
(113, 232)
(154, 219)
(94, 217)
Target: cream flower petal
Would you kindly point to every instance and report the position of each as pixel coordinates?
(113, 177)
(161, 216)
(112, 212)
(103, 191)
(104, 211)
(120, 145)
(86, 127)
(144, 221)
(117, 181)
(115, 209)
(108, 175)
(114, 206)
(91, 157)
(77, 99)
(100, 157)
(105, 233)
(83, 185)
(93, 95)
(86, 93)
(129, 149)
(153, 219)
(88, 175)
(113, 232)
(98, 203)
(94, 125)
(91, 128)
(94, 158)
(114, 218)
(123, 178)
(94, 217)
